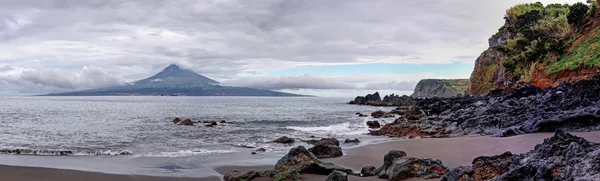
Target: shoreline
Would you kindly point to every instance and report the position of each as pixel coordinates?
(453, 152)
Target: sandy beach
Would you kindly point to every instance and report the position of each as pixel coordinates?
(452, 152)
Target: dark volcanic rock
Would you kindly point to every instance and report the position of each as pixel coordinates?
(355, 140)
(285, 140)
(176, 120)
(561, 157)
(373, 124)
(223, 122)
(305, 162)
(332, 141)
(375, 100)
(326, 150)
(397, 166)
(368, 171)
(526, 110)
(337, 176)
(187, 122)
(381, 114)
(369, 99)
(213, 123)
(239, 176)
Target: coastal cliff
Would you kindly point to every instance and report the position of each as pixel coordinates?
(427, 88)
(539, 45)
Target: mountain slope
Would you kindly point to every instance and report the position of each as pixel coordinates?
(174, 81)
(427, 88)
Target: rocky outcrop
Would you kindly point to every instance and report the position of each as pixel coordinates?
(176, 120)
(573, 107)
(284, 140)
(398, 166)
(428, 88)
(561, 157)
(375, 100)
(369, 99)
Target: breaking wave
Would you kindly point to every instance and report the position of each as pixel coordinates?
(14, 151)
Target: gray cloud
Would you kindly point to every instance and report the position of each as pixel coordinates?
(392, 85)
(289, 82)
(131, 39)
(51, 79)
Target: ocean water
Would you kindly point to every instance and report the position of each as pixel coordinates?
(142, 127)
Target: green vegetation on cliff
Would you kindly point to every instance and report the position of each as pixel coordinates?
(440, 88)
(552, 38)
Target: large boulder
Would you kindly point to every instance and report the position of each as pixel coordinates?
(398, 166)
(305, 162)
(337, 176)
(368, 171)
(373, 124)
(326, 150)
(561, 157)
(285, 140)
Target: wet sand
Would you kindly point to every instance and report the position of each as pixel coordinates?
(452, 152)
(15, 173)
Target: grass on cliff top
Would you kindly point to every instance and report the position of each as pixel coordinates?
(586, 53)
(457, 86)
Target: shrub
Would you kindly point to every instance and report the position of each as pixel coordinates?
(577, 14)
(510, 65)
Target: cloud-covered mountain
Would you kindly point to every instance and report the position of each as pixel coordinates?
(174, 80)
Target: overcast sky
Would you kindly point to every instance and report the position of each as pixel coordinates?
(319, 47)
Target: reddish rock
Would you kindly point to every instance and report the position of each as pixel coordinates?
(543, 80)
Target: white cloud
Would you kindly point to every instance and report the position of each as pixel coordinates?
(230, 39)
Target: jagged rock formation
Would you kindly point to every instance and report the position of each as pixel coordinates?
(561, 157)
(174, 81)
(542, 46)
(388, 100)
(427, 88)
(527, 110)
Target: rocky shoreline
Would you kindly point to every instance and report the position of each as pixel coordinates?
(560, 157)
(574, 107)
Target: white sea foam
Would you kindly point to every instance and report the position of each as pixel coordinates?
(336, 129)
(182, 153)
